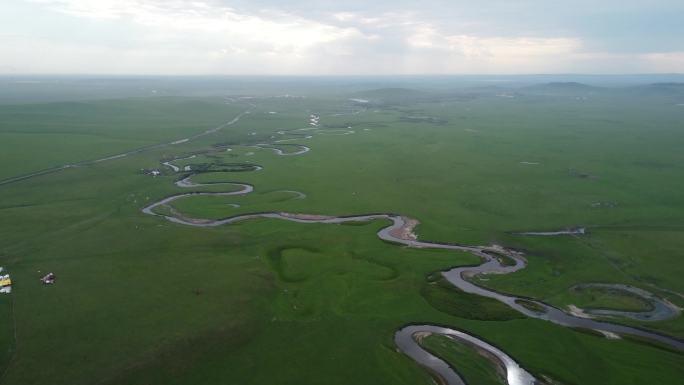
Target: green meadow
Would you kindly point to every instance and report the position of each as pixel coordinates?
(141, 300)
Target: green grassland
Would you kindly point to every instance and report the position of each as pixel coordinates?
(475, 369)
(34, 137)
(595, 298)
(140, 300)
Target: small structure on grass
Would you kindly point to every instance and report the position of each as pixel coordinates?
(48, 279)
(153, 172)
(5, 283)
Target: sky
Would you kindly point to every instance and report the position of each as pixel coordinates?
(351, 37)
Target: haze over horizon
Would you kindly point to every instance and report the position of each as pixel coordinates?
(266, 37)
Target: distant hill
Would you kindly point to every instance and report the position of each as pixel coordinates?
(562, 88)
(670, 85)
(659, 89)
(666, 92)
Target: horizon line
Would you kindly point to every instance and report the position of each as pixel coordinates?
(343, 75)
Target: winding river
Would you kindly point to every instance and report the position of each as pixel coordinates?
(125, 154)
(408, 341)
(400, 231)
(660, 309)
(301, 149)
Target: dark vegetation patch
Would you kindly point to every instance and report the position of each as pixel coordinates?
(581, 174)
(532, 306)
(424, 119)
(279, 264)
(504, 260)
(443, 296)
(590, 332)
(356, 223)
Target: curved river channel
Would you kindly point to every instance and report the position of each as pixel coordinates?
(400, 231)
(660, 308)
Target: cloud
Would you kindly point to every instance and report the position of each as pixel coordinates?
(309, 37)
(471, 46)
(665, 61)
(179, 20)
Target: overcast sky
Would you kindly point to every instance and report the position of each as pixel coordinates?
(341, 37)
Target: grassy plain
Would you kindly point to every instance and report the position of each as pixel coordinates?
(474, 368)
(140, 300)
(34, 137)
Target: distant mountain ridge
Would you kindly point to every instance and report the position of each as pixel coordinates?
(668, 91)
(562, 87)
